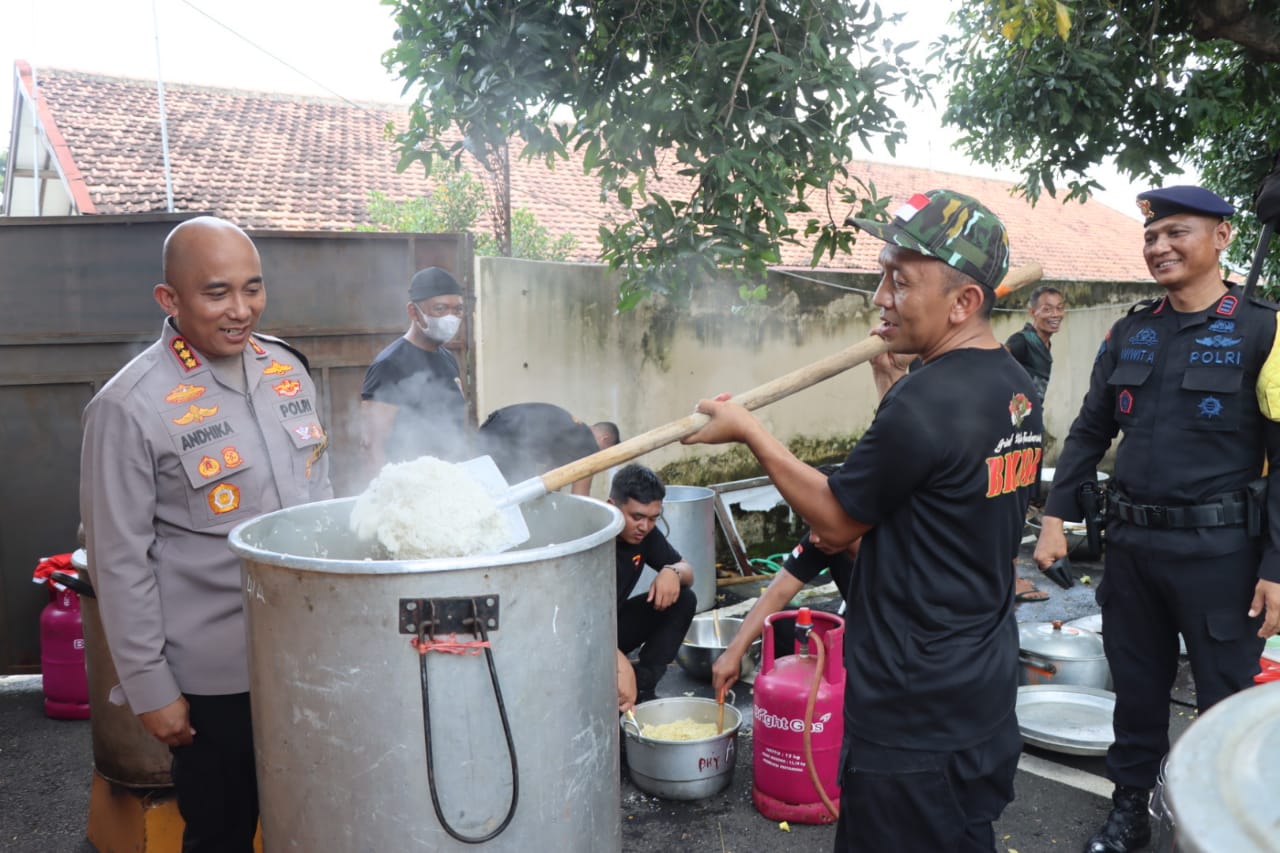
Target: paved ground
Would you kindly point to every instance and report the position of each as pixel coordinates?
(45, 768)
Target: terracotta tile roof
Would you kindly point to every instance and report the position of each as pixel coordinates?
(268, 160)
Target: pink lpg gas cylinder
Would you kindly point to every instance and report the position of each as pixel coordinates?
(66, 687)
(782, 788)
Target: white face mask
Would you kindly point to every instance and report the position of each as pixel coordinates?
(440, 329)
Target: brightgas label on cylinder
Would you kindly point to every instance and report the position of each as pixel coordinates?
(789, 724)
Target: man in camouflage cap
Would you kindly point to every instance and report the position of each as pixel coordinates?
(936, 492)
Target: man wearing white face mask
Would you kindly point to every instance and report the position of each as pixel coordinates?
(411, 400)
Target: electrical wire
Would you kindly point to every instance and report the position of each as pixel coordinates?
(296, 70)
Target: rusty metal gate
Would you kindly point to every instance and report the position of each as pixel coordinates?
(76, 305)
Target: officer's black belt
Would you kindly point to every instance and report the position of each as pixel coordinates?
(1230, 510)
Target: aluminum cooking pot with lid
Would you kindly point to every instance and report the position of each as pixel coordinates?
(1051, 653)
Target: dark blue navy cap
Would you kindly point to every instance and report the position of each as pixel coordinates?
(1166, 201)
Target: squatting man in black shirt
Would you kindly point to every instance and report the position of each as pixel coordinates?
(655, 621)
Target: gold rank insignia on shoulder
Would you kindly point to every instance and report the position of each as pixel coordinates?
(186, 355)
(257, 348)
(277, 369)
(195, 414)
(183, 393)
(223, 498)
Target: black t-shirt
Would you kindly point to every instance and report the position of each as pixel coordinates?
(529, 439)
(942, 476)
(654, 550)
(806, 562)
(426, 388)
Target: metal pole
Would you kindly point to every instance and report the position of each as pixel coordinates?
(35, 143)
(164, 125)
(1259, 255)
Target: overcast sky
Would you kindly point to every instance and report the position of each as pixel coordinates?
(333, 48)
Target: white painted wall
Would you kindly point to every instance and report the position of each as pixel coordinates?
(550, 333)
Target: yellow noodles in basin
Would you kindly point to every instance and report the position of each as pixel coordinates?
(679, 730)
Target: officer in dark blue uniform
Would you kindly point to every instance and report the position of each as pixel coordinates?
(1192, 380)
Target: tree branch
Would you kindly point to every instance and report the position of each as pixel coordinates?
(746, 60)
(1233, 20)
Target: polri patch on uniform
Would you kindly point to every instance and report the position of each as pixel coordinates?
(287, 387)
(186, 356)
(195, 414)
(277, 369)
(224, 498)
(231, 457)
(1125, 402)
(183, 393)
(1227, 305)
(296, 408)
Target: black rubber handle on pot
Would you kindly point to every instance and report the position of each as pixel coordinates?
(1037, 662)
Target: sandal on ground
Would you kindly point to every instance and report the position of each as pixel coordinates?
(1025, 590)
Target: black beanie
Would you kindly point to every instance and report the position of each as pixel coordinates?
(431, 282)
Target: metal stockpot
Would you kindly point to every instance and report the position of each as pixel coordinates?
(340, 711)
(689, 512)
(123, 751)
(1049, 653)
(682, 769)
(707, 638)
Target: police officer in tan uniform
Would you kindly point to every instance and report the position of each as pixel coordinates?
(211, 425)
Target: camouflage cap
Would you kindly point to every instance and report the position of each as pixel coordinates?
(954, 228)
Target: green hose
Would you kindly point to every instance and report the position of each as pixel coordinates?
(771, 564)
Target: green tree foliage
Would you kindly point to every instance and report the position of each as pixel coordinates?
(1056, 88)
(708, 122)
(457, 202)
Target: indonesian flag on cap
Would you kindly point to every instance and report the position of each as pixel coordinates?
(911, 207)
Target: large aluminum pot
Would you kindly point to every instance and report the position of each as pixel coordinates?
(682, 769)
(123, 751)
(338, 698)
(689, 513)
(707, 638)
(1223, 774)
(1051, 653)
